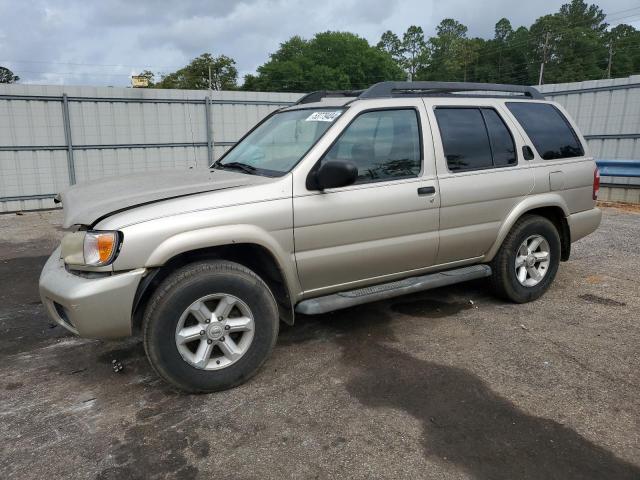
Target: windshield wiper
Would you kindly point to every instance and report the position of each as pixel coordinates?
(238, 166)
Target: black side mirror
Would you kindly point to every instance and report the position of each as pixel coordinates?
(334, 174)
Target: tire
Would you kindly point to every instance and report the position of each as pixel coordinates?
(505, 281)
(177, 349)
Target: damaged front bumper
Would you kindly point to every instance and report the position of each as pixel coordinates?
(92, 307)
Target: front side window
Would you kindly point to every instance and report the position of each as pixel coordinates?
(547, 128)
(383, 144)
(475, 139)
(278, 144)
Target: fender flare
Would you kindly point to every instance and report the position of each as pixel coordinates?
(526, 205)
(227, 235)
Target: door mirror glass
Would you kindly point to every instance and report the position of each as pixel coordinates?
(335, 174)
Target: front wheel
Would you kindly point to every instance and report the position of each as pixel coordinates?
(528, 260)
(210, 326)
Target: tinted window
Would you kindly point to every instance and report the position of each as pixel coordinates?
(464, 138)
(547, 128)
(502, 146)
(383, 144)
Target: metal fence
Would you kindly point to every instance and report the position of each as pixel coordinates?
(608, 115)
(52, 136)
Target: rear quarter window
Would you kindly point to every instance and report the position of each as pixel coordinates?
(548, 129)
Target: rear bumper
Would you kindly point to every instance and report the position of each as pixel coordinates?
(90, 307)
(582, 224)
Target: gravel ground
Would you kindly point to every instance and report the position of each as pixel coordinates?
(451, 383)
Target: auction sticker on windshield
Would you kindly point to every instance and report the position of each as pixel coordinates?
(323, 116)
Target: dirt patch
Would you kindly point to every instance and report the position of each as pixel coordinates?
(595, 279)
(20, 280)
(13, 385)
(627, 207)
(154, 447)
(133, 351)
(430, 308)
(609, 302)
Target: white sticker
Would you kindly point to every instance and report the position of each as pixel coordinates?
(323, 116)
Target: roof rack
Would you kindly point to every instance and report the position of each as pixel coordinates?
(320, 94)
(423, 89)
(392, 89)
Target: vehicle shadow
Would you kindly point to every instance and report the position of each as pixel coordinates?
(464, 422)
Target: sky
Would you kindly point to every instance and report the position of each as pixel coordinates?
(83, 42)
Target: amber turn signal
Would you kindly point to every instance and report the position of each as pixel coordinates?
(100, 247)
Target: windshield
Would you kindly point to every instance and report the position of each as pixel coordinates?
(279, 143)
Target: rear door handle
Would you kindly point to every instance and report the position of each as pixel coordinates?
(426, 190)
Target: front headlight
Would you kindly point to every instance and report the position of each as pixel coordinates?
(100, 247)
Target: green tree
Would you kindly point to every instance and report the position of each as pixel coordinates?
(330, 60)
(625, 49)
(7, 76)
(503, 30)
(505, 57)
(391, 43)
(447, 52)
(195, 76)
(571, 42)
(517, 65)
(414, 48)
(410, 53)
(471, 50)
(497, 50)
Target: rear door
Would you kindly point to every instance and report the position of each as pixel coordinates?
(481, 172)
(384, 225)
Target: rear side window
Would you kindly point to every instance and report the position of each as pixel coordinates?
(475, 139)
(502, 146)
(547, 128)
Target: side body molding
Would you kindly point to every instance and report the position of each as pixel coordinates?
(527, 204)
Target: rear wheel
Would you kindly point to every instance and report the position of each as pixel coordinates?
(528, 260)
(210, 326)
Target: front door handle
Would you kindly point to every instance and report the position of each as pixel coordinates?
(426, 190)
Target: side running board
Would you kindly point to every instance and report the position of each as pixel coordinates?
(337, 301)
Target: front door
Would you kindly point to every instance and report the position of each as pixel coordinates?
(384, 225)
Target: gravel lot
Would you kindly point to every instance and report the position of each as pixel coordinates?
(451, 383)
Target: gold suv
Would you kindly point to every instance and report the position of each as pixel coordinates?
(341, 199)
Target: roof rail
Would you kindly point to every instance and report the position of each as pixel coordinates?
(391, 89)
(320, 94)
(396, 89)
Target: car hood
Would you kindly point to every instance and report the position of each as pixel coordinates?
(88, 202)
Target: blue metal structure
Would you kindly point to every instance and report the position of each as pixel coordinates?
(619, 168)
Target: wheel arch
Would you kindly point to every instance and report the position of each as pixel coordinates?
(254, 256)
(551, 207)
